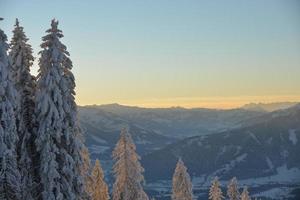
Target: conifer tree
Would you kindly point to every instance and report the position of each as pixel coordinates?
(59, 141)
(21, 61)
(100, 189)
(245, 194)
(9, 173)
(86, 173)
(182, 185)
(215, 192)
(127, 170)
(233, 190)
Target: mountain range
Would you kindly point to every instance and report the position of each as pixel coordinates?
(258, 146)
(269, 107)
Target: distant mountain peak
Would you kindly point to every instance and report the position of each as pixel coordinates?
(269, 107)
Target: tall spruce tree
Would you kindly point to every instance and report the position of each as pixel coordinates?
(21, 61)
(182, 185)
(100, 189)
(59, 141)
(215, 192)
(9, 173)
(127, 170)
(233, 190)
(245, 194)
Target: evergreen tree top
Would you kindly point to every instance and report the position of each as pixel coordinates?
(18, 33)
(127, 170)
(215, 192)
(54, 29)
(51, 41)
(182, 185)
(21, 51)
(97, 163)
(125, 138)
(97, 171)
(55, 54)
(232, 189)
(245, 194)
(180, 166)
(17, 22)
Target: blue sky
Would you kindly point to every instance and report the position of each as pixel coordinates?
(168, 53)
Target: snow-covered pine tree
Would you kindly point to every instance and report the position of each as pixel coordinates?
(21, 61)
(245, 194)
(86, 173)
(9, 174)
(100, 189)
(71, 125)
(215, 192)
(59, 141)
(233, 190)
(182, 185)
(127, 170)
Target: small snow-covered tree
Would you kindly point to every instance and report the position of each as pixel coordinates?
(86, 173)
(59, 141)
(182, 185)
(215, 192)
(127, 170)
(21, 61)
(233, 190)
(9, 173)
(100, 189)
(245, 194)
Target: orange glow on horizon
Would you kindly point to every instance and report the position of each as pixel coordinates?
(201, 102)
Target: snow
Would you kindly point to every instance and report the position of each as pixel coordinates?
(238, 150)
(182, 185)
(223, 150)
(98, 140)
(215, 192)
(269, 141)
(99, 189)
(283, 175)
(236, 161)
(292, 136)
(284, 154)
(279, 193)
(227, 167)
(127, 170)
(270, 164)
(140, 140)
(254, 138)
(233, 190)
(58, 141)
(97, 149)
(21, 61)
(162, 186)
(9, 173)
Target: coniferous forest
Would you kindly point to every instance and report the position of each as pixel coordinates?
(42, 151)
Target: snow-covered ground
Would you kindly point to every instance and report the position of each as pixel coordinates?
(293, 137)
(264, 186)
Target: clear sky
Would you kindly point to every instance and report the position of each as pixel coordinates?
(161, 53)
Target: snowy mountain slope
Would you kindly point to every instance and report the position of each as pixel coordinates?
(264, 155)
(102, 131)
(171, 122)
(260, 148)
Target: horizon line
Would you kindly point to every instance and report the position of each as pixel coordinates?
(197, 107)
